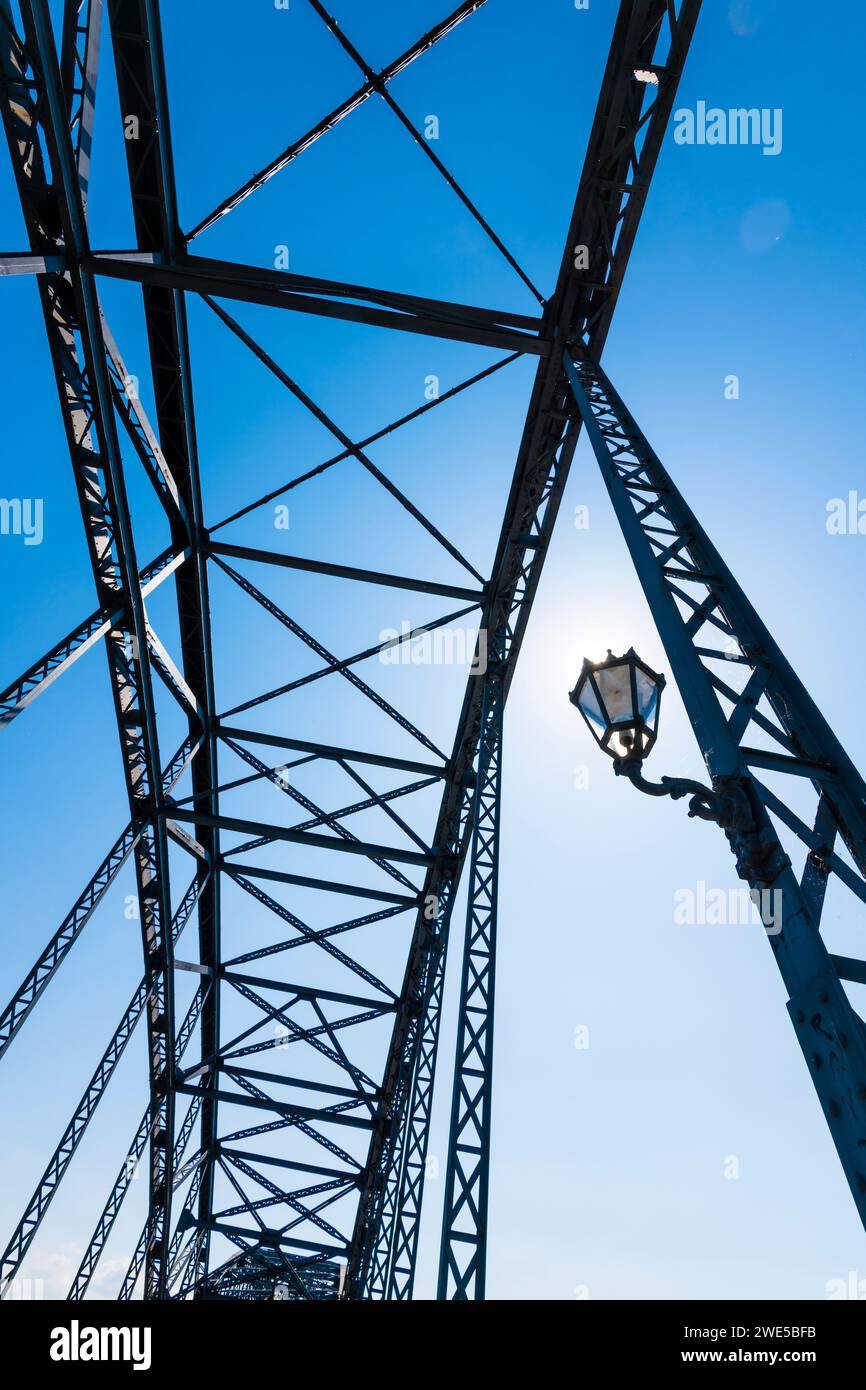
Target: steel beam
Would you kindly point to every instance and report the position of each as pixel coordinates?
(329, 299)
(463, 1250)
(54, 215)
(140, 68)
(79, 64)
(332, 753)
(302, 837)
(25, 263)
(359, 576)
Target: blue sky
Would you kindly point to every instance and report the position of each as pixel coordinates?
(608, 1162)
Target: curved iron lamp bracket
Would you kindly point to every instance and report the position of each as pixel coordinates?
(728, 804)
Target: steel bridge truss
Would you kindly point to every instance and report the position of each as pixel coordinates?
(310, 1175)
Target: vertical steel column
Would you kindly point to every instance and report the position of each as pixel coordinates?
(463, 1252)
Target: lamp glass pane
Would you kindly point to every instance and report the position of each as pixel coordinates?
(588, 704)
(647, 696)
(614, 684)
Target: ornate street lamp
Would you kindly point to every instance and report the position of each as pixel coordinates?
(619, 699)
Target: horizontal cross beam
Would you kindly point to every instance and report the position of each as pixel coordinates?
(329, 751)
(361, 576)
(298, 837)
(323, 884)
(328, 299)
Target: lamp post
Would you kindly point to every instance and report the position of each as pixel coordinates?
(620, 699)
